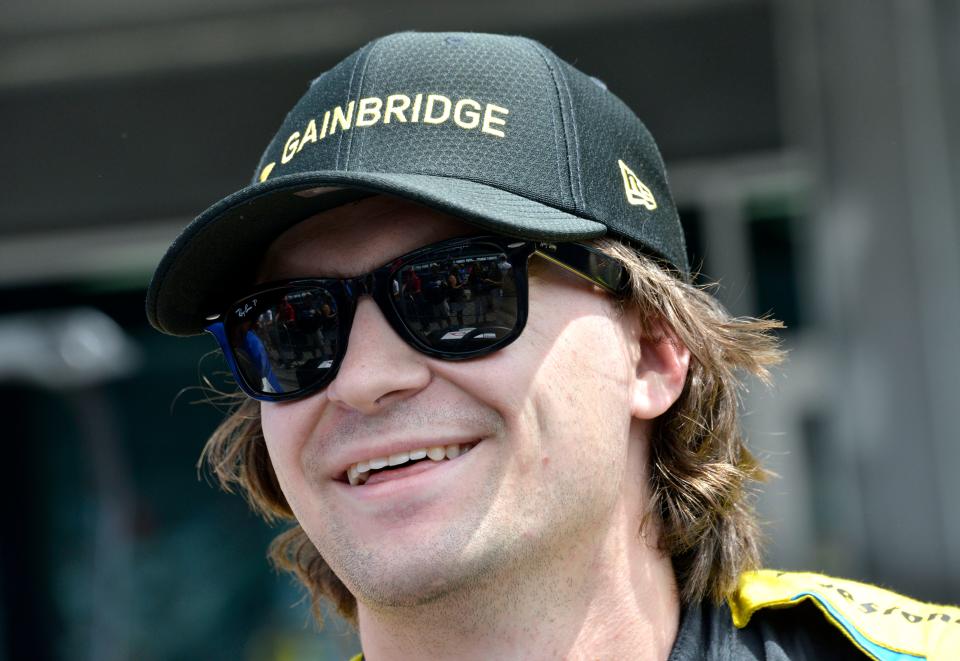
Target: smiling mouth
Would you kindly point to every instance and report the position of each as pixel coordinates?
(381, 469)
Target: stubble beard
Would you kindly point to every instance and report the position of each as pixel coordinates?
(431, 570)
(482, 563)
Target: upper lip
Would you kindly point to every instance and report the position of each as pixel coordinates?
(367, 452)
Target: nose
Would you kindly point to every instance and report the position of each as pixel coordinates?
(379, 367)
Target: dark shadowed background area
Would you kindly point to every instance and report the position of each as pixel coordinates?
(814, 151)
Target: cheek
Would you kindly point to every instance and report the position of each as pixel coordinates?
(582, 341)
(583, 387)
(563, 386)
(584, 383)
(285, 430)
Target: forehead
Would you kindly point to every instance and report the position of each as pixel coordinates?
(356, 238)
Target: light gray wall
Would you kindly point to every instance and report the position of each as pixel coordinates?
(870, 95)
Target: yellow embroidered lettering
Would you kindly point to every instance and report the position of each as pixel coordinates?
(466, 113)
(473, 116)
(368, 111)
(489, 119)
(396, 104)
(326, 122)
(290, 148)
(267, 169)
(416, 108)
(428, 117)
(309, 135)
(341, 119)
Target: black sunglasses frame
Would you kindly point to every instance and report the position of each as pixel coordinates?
(584, 261)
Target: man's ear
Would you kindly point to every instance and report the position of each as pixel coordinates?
(661, 371)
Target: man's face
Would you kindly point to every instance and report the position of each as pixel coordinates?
(549, 416)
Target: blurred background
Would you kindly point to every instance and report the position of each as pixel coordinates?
(814, 151)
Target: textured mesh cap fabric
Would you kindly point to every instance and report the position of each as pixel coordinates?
(494, 129)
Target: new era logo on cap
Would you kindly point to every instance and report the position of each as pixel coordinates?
(638, 193)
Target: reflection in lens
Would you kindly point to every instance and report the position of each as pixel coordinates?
(287, 339)
(459, 300)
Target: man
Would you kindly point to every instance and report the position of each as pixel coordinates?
(564, 480)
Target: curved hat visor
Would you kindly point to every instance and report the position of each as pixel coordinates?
(215, 257)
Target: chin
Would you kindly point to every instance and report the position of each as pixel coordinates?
(404, 577)
(407, 585)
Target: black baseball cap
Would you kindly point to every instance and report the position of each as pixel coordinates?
(494, 129)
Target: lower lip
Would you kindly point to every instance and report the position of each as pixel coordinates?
(408, 478)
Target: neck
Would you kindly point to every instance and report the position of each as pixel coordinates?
(615, 597)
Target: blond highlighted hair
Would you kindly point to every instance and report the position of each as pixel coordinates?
(702, 473)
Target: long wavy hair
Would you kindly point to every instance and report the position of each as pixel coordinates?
(702, 474)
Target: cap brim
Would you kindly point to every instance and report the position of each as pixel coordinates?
(216, 256)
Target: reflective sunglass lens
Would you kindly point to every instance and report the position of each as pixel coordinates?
(457, 301)
(287, 340)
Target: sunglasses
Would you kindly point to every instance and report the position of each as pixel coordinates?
(453, 300)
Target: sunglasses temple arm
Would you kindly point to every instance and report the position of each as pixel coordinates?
(219, 332)
(575, 261)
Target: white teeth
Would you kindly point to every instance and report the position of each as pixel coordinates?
(359, 472)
